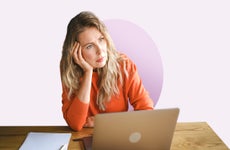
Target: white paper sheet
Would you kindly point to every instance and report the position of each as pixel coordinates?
(45, 141)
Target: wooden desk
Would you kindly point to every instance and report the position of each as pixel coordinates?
(187, 136)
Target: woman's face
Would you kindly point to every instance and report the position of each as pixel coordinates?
(94, 47)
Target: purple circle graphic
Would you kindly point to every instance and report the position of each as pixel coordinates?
(138, 45)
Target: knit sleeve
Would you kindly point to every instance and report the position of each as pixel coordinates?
(74, 111)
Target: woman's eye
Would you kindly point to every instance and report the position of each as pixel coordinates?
(89, 46)
(101, 39)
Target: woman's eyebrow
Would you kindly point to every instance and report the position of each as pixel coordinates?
(100, 36)
(87, 44)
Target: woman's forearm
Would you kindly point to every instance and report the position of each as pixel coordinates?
(83, 93)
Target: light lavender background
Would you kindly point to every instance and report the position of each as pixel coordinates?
(192, 38)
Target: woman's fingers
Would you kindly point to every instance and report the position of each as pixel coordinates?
(78, 58)
(75, 50)
(77, 54)
(89, 122)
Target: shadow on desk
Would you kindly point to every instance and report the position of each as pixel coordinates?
(187, 136)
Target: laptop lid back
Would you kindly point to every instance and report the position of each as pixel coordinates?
(145, 129)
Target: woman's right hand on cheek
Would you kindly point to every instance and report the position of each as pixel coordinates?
(77, 55)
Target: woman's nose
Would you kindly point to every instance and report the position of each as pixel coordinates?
(99, 49)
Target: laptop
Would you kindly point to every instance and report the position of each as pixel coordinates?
(133, 130)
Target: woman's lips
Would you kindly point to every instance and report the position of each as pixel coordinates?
(100, 59)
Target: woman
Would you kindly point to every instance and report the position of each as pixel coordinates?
(95, 77)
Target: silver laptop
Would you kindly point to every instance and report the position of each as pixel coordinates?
(135, 130)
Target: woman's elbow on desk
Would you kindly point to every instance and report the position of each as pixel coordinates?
(75, 126)
(74, 122)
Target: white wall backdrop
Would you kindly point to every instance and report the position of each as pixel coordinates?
(193, 38)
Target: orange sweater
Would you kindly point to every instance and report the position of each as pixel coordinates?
(132, 91)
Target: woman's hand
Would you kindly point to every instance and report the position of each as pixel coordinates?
(77, 55)
(89, 122)
(83, 93)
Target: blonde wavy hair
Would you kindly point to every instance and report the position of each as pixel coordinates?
(71, 73)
